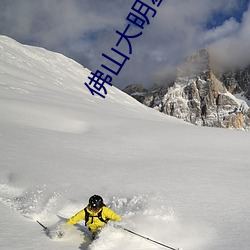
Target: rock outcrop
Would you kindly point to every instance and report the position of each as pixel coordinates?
(199, 96)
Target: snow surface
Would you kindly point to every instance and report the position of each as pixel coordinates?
(182, 185)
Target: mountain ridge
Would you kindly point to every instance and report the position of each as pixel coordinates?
(201, 95)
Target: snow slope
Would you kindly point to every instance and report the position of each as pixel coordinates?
(176, 183)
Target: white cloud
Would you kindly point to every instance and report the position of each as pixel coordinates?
(233, 50)
(228, 28)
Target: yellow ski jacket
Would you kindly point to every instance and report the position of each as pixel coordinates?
(94, 223)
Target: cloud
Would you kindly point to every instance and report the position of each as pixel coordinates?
(84, 29)
(228, 28)
(233, 49)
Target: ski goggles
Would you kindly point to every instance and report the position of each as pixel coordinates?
(94, 208)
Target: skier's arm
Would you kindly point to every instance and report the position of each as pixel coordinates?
(110, 214)
(77, 217)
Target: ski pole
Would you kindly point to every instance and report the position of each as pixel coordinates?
(146, 238)
(45, 228)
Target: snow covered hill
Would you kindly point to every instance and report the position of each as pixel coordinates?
(182, 185)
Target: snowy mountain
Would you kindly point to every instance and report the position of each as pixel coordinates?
(201, 96)
(182, 185)
(237, 81)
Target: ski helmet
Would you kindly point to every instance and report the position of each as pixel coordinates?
(95, 202)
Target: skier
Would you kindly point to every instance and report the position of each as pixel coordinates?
(95, 214)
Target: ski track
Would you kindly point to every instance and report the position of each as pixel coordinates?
(144, 214)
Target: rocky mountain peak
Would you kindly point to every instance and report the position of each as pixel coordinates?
(197, 64)
(202, 97)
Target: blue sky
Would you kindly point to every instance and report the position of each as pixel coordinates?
(84, 29)
(219, 17)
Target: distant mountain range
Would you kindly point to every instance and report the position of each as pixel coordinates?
(201, 94)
